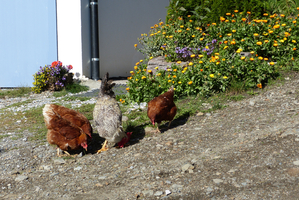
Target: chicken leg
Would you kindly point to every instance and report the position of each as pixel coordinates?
(104, 148)
(58, 154)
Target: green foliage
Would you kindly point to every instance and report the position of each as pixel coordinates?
(54, 77)
(213, 55)
(18, 92)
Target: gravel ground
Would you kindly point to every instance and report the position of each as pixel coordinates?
(248, 150)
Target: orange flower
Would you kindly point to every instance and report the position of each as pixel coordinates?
(294, 48)
(201, 70)
(259, 85)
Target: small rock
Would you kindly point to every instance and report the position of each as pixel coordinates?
(21, 178)
(293, 172)
(124, 119)
(169, 143)
(149, 129)
(77, 168)
(186, 167)
(59, 161)
(200, 114)
(148, 192)
(251, 103)
(296, 162)
(54, 174)
(217, 181)
(167, 192)
(158, 193)
(102, 177)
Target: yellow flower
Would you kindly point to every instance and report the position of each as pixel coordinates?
(169, 81)
(135, 67)
(243, 58)
(200, 55)
(229, 34)
(265, 14)
(144, 70)
(168, 70)
(159, 74)
(270, 31)
(150, 57)
(135, 45)
(252, 59)
(149, 71)
(188, 29)
(266, 59)
(239, 51)
(201, 39)
(185, 68)
(225, 47)
(294, 22)
(233, 42)
(127, 89)
(228, 13)
(283, 24)
(193, 36)
(243, 19)
(171, 36)
(212, 75)
(223, 59)
(233, 67)
(174, 76)
(259, 43)
(224, 77)
(217, 54)
(183, 71)
(156, 68)
(260, 58)
(256, 34)
(131, 72)
(178, 62)
(136, 80)
(222, 19)
(266, 41)
(179, 31)
(192, 56)
(182, 26)
(129, 78)
(276, 26)
(294, 41)
(275, 44)
(233, 31)
(252, 52)
(190, 82)
(200, 62)
(179, 82)
(140, 60)
(282, 41)
(271, 63)
(259, 85)
(236, 11)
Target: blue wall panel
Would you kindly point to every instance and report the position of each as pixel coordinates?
(28, 39)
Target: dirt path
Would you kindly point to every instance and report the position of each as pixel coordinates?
(248, 150)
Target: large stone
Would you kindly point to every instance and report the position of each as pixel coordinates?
(161, 63)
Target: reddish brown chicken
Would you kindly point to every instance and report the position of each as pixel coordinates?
(162, 108)
(68, 129)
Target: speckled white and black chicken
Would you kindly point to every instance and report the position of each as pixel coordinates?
(107, 117)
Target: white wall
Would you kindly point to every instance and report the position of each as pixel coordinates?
(73, 34)
(120, 24)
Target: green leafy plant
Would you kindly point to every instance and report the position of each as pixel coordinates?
(52, 77)
(213, 55)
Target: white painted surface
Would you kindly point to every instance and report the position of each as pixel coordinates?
(72, 19)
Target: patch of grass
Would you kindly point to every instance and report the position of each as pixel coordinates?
(18, 92)
(73, 98)
(3, 136)
(86, 110)
(236, 97)
(17, 136)
(35, 124)
(21, 103)
(72, 88)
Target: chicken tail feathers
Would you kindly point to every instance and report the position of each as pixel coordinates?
(106, 87)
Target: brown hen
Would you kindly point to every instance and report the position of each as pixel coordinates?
(162, 108)
(67, 128)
